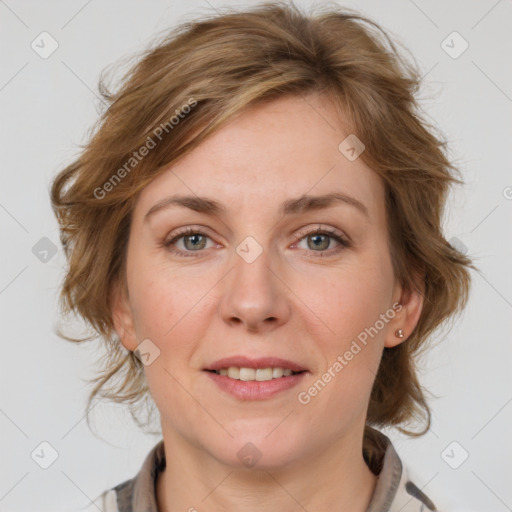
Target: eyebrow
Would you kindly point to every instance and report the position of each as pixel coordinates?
(294, 206)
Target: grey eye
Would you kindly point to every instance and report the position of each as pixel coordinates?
(197, 241)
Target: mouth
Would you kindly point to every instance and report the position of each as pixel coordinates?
(255, 379)
(255, 374)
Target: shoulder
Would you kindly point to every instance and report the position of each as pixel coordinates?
(135, 494)
(106, 502)
(410, 498)
(395, 490)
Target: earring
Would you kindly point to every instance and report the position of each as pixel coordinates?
(399, 333)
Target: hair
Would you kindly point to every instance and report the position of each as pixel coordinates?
(190, 83)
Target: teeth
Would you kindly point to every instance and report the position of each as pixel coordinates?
(277, 372)
(264, 374)
(234, 372)
(247, 374)
(251, 374)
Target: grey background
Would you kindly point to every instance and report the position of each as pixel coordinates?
(48, 106)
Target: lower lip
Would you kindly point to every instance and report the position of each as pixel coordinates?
(255, 390)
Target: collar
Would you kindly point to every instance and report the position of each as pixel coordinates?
(393, 492)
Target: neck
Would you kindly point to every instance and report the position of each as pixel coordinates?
(337, 479)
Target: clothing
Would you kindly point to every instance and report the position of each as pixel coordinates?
(394, 491)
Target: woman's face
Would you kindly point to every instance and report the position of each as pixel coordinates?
(263, 276)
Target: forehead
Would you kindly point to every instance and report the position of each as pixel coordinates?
(283, 149)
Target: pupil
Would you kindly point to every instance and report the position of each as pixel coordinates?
(317, 238)
(193, 240)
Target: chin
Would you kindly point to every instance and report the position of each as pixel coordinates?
(264, 448)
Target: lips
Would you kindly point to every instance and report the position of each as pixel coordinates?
(257, 363)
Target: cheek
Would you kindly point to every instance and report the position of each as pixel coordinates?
(169, 308)
(349, 331)
(154, 307)
(167, 313)
(158, 297)
(346, 301)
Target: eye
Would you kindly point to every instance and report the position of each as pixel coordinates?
(193, 240)
(319, 240)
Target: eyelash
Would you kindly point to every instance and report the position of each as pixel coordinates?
(344, 243)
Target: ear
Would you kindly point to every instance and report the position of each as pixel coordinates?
(122, 316)
(408, 313)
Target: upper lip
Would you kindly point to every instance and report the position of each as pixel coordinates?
(260, 362)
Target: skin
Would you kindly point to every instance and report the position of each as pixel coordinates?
(289, 302)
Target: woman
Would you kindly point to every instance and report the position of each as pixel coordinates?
(254, 231)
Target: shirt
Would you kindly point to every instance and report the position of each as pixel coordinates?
(394, 491)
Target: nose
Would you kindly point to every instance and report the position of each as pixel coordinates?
(255, 296)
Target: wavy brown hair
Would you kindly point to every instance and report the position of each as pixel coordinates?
(222, 65)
